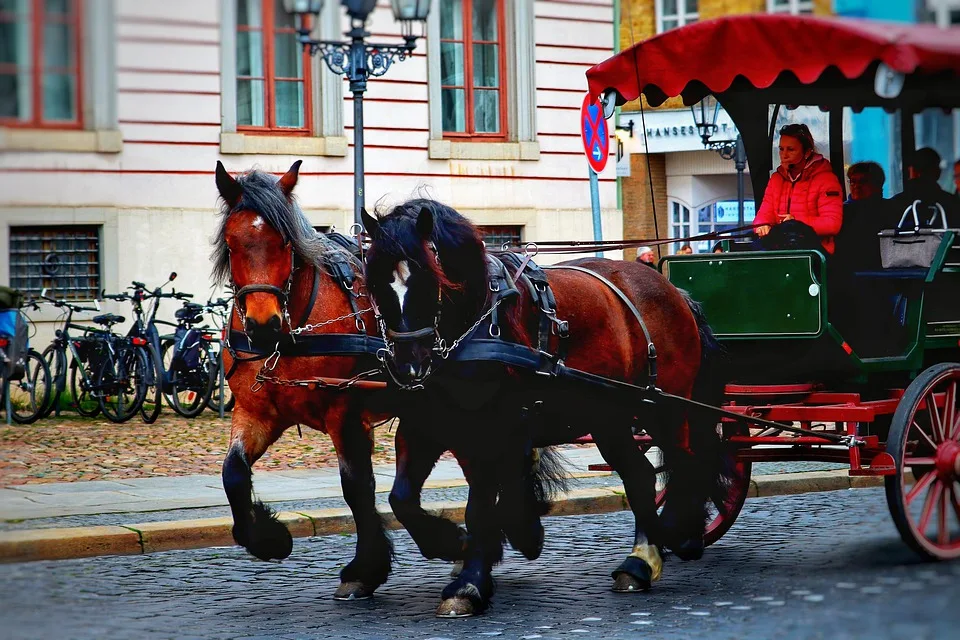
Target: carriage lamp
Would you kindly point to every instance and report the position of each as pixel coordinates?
(358, 60)
(705, 115)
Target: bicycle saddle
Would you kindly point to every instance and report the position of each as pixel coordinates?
(108, 319)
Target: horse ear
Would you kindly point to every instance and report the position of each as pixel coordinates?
(289, 180)
(425, 223)
(371, 224)
(230, 190)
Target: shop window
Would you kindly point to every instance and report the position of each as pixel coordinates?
(720, 216)
(676, 13)
(472, 67)
(794, 7)
(40, 63)
(495, 236)
(63, 259)
(273, 71)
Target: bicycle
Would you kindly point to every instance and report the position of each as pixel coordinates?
(145, 326)
(106, 367)
(25, 382)
(219, 310)
(190, 363)
(55, 355)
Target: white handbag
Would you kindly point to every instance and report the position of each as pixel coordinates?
(912, 248)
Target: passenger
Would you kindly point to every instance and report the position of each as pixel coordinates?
(956, 178)
(924, 172)
(647, 257)
(685, 249)
(803, 189)
(864, 216)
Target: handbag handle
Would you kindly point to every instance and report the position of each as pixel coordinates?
(916, 221)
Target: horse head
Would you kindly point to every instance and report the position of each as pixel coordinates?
(256, 248)
(425, 271)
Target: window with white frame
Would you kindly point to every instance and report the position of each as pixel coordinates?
(946, 13)
(679, 223)
(480, 72)
(676, 13)
(794, 7)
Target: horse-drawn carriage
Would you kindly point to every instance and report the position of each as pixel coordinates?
(890, 409)
(496, 359)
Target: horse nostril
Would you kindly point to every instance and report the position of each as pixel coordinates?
(250, 325)
(274, 324)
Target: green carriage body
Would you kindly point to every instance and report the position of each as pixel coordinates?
(772, 312)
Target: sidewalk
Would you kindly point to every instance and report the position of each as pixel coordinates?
(52, 500)
(144, 515)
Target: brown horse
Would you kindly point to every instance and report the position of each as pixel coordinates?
(430, 275)
(282, 274)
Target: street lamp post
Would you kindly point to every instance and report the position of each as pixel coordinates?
(705, 115)
(359, 60)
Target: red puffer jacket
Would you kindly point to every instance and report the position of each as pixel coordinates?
(814, 198)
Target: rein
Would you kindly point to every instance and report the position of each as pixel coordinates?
(585, 246)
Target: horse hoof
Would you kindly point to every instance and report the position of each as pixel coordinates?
(626, 583)
(352, 591)
(456, 569)
(456, 607)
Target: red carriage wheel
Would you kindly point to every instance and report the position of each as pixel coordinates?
(725, 509)
(925, 439)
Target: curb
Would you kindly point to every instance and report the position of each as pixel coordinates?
(132, 539)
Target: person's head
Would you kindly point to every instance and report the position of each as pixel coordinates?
(685, 249)
(645, 254)
(924, 163)
(956, 175)
(796, 144)
(718, 248)
(866, 180)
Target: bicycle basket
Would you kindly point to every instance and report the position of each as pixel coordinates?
(13, 325)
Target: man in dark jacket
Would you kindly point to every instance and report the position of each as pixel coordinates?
(864, 214)
(924, 172)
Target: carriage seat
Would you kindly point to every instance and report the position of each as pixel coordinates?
(108, 319)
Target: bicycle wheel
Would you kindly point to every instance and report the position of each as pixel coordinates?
(122, 382)
(30, 394)
(214, 403)
(153, 399)
(166, 358)
(192, 388)
(56, 359)
(84, 401)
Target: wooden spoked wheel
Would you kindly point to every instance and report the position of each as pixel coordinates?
(924, 494)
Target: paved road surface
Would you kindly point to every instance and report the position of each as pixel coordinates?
(825, 565)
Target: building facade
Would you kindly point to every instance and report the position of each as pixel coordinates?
(113, 114)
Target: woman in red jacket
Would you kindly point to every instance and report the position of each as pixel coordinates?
(804, 188)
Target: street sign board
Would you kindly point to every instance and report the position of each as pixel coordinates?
(593, 131)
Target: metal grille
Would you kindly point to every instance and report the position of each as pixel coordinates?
(496, 235)
(65, 260)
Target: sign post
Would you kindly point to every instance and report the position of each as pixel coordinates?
(596, 146)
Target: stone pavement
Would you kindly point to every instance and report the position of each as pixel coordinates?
(823, 565)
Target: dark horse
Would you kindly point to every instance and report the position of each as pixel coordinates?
(281, 270)
(427, 270)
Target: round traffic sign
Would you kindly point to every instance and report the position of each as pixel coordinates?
(593, 131)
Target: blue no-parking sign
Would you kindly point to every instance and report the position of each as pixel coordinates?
(593, 131)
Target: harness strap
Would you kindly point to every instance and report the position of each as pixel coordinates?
(501, 286)
(313, 298)
(315, 344)
(651, 350)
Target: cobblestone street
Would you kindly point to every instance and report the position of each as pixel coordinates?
(815, 565)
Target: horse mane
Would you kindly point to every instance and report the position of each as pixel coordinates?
(462, 267)
(262, 195)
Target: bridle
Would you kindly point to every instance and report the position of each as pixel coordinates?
(282, 295)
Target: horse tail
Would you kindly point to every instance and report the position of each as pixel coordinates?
(705, 472)
(549, 478)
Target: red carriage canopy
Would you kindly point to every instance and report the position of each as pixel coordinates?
(708, 56)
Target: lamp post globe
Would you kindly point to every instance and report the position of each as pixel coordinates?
(404, 10)
(303, 7)
(705, 115)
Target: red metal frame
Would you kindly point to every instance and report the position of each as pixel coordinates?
(38, 17)
(268, 30)
(468, 87)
